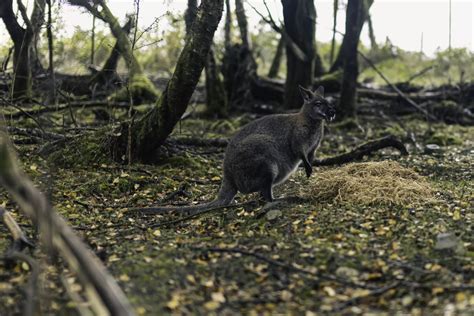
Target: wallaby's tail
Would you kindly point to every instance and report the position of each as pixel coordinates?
(225, 197)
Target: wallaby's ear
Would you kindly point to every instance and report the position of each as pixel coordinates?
(305, 93)
(320, 91)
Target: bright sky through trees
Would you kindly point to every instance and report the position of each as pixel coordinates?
(403, 21)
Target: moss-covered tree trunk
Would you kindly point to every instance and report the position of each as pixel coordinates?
(345, 48)
(151, 130)
(347, 102)
(22, 38)
(299, 16)
(139, 85)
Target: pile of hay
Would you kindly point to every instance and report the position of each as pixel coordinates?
(370, 183)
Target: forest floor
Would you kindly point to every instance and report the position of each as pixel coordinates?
(318, 258)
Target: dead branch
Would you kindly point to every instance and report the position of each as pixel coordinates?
(67, 106)
(19, 238)
(103, 292)
(201, 142)
(420, 97)
(34, 132)
(398, 91)
(363, 150)
(374, 293)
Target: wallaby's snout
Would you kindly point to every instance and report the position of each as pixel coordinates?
(330, 113)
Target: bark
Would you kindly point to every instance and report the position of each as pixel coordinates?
(228, 24)
(216, 99)
(190, 14)
(347, 102)
(151, 130)
(334, 28)
(299, 17)
(37, 21)
(373, 42)
(22, 39)
(345, 49)
(276, 63)
(242, 21)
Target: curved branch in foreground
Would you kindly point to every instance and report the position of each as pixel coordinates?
(105, 295)
(363, 150)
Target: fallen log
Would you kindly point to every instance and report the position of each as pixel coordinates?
(363, 150)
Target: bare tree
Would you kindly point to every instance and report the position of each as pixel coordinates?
(276, 63)
(346, 41)
(355, 15)
(299, 16)
(22, 38)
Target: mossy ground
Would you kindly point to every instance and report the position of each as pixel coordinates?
(179, 268)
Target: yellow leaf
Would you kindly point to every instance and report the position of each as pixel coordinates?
(460, 297)
(329, 291)
(218, 297)
(437, 290)
(174, 302)
(216, 178)
(456, 215)
(157, 233)
(212, 305)
(124, 278)
(33, 167)
(191, 278)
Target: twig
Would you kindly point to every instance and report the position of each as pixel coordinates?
(19, 238)
(34, 132)
(398, 91)
(73, 104)
(359, 152)
(286, 266)
(357, 299)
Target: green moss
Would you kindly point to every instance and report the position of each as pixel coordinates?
(444, 139)
(140, 88)
(80, 151)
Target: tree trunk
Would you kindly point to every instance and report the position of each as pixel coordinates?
(216, 100)
(151, 131)
(276, 63)
(242, 21)
(228, 24)
(37, 21)
(22, 39)
(373, 42)
(334, 29)
(344, 50)
(354, 15)
(299, 16)
(190, 14)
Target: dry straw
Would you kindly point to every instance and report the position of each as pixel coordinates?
(370, 183)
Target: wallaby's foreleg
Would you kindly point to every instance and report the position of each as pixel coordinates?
(307, 165)
(267, 193)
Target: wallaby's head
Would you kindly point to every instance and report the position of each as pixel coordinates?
(316, 106)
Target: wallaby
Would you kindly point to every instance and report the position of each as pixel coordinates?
(267, 151)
